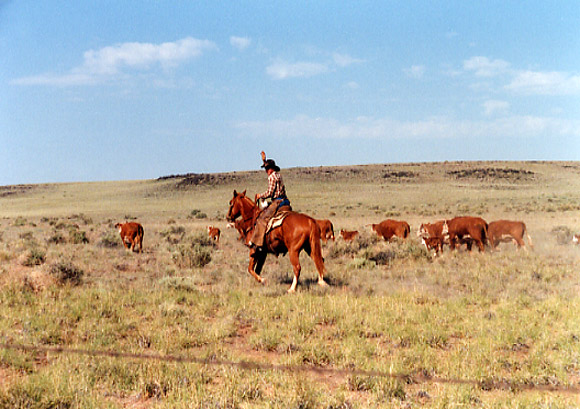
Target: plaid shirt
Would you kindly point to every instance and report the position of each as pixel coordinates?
(276, 187)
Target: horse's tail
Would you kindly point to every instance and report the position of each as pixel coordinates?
(316, 249)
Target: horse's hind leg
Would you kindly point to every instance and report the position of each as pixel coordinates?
(295, 261)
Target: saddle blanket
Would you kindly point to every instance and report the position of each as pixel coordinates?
(276, 221)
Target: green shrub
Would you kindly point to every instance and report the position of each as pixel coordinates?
(110, 240)
(56, 238)
(77, 237)
(20, 221)
(34, 257)
(195, 252)
(197, 214)
(66, 273)
(174, 234)
(563, 234)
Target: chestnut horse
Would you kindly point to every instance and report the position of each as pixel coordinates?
(298, 232)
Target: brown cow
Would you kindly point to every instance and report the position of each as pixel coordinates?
(459, 228)
(131, 235)
(505, 231)
(326, 230)
(433, 243)
(435, 230)
(389, 228)
(214, 233)
(348, 235)
(576, 239)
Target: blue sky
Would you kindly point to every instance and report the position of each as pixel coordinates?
(113, 90)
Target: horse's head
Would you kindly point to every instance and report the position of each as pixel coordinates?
(238, 206)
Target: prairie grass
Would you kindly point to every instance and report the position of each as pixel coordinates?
(395, 328)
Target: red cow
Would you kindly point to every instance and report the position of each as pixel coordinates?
(326, 230)
(348, 235)
(459, 228)
(214, 233)
(131, 235)
(389, 228)
(506, 231)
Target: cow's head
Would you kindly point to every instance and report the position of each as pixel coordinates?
(422, 231)
(445, 230)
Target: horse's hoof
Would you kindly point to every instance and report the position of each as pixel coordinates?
(291, 291)
(322, 283)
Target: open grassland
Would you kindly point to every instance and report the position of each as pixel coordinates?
(183, 325)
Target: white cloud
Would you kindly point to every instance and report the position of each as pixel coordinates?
(484, 67)
(344, 60)
(352, 85)
(416, 71)
(281, 69)
(107, 62)
(241, 43)
(545, 83)
(429, 128)
(493, 106)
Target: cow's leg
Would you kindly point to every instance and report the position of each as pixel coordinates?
(452, 242)
(295, 261)
(257, 259)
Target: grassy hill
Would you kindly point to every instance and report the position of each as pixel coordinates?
(395, 328)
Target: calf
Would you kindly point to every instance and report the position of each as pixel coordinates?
(576, 239)
(433, 243)
(131, 235)
(431, 229)
(214, 233)
(326, 229)
(348, 235)
(506, 231)
(389, 228)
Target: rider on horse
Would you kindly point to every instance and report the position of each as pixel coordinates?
(277, 192)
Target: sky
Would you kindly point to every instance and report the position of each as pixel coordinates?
(98, 90)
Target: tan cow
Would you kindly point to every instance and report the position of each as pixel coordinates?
(505, 231)
(214, 233)
(348, 235)
(326, 230)
(131, 235)
(460, 228)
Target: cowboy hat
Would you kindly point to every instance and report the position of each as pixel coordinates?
(270, 164)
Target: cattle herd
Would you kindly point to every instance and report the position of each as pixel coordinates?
(458, 231)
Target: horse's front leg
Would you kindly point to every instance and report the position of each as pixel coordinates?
(257, 259)
(295, 261)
